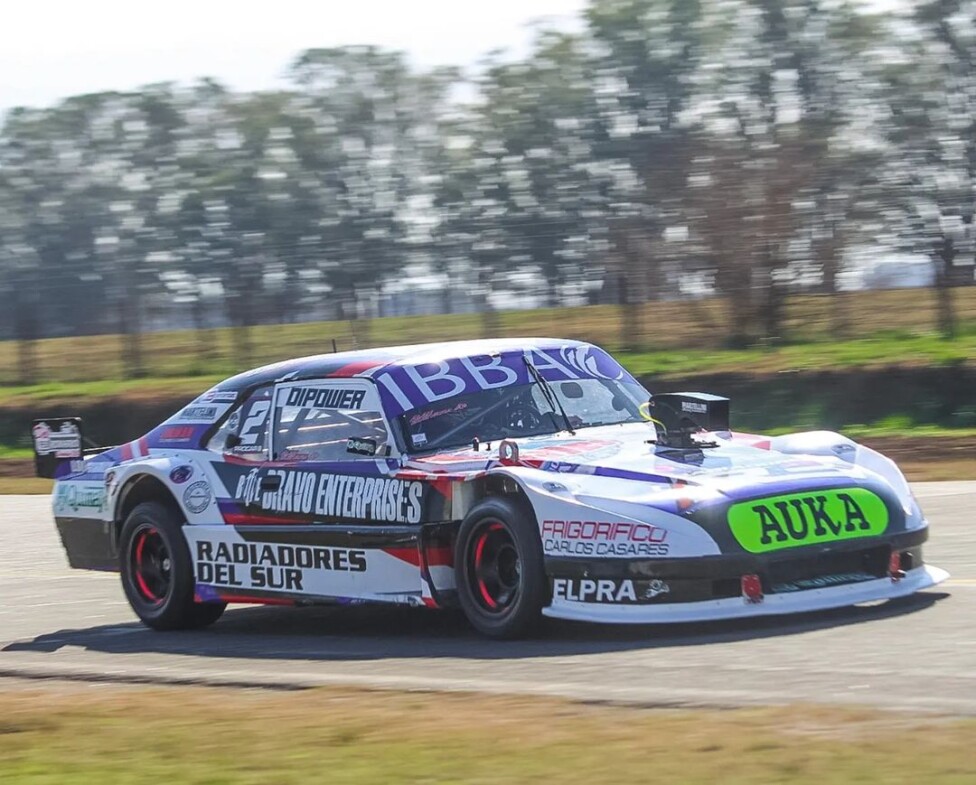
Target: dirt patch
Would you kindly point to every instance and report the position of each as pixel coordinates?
(16, 467)
(919, 449)
(925, 459)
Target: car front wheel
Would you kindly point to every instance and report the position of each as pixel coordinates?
(157, 571)
(500, 575)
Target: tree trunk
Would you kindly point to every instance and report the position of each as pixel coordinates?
(25, 317)
(204, 341)
(241, 337)
(130, 329)
(772, 299)
(630, 314)
(360, 325)
(838, 323)
(491, 325)
(943, 288)
(237, 307)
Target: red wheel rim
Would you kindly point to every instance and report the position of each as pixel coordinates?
(495, 568)
(151, 565)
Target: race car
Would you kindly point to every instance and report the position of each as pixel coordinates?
(512, 478)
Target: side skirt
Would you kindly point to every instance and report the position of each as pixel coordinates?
(88, 543)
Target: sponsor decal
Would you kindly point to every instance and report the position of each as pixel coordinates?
(361, 446)
(75, 497)
(412, 386)
(177, 433)
(603, 538)
(322, 495)
(181, 474)
(325, 398)
(199, 413)
(234, 420)
(559, 467)
(218, 396)
(608, 591)
(42, 438)
(430, 414)
(295, 456)
(65, 442)
(823, 581)
(694, 408)
(197, 496)
(793, 520)
(655, 588)
(270, 565)
(418, 439)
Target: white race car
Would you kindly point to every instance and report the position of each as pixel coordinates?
(511, 477)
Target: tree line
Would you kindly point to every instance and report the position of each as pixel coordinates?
(744, 148)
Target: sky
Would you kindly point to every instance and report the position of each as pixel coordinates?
(54, 49)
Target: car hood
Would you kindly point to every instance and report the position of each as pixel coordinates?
(628, 452)
(620, 473)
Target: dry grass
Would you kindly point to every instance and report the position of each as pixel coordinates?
(77, 734)
(698, 325)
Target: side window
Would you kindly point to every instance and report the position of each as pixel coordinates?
(244, 434)
(331, 421)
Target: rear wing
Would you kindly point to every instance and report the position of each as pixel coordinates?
(58, 440)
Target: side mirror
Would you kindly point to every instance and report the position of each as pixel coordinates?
(233, 440)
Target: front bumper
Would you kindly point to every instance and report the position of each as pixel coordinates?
(803, 601)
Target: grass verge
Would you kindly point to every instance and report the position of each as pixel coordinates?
(681, 338)
(881, 350)
(75, 734)
(32, 485)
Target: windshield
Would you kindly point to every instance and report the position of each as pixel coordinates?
(520, 410)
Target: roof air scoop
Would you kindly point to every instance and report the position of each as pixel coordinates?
(678, 417)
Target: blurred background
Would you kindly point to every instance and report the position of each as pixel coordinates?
(734, 184)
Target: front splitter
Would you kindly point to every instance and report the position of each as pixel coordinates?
(738, 608)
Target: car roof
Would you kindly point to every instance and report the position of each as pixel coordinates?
(367, 362)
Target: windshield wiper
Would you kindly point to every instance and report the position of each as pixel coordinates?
(550, 395)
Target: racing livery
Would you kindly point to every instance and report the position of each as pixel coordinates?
(511, 477)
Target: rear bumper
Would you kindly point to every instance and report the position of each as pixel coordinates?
(736, 607)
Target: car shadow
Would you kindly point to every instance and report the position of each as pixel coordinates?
(374, 633)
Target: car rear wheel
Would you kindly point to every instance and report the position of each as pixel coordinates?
(157, 572)
(500, 575)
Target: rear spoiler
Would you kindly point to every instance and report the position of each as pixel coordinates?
(59, 440)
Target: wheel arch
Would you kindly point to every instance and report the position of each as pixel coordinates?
(139, 488)
(494, 483)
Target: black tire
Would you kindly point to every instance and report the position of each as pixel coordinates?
(157, 572)
(501, 580)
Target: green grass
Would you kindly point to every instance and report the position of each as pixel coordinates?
(878, 351)
(57, 392)
(73, 734)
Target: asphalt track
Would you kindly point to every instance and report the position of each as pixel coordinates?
(916, 654)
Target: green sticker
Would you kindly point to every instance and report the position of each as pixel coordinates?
(795, 519)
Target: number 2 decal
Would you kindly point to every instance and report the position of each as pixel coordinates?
(256, 418)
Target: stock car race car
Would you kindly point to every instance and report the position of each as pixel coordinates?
(510, 477)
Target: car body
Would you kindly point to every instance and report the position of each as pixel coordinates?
(511, 477)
